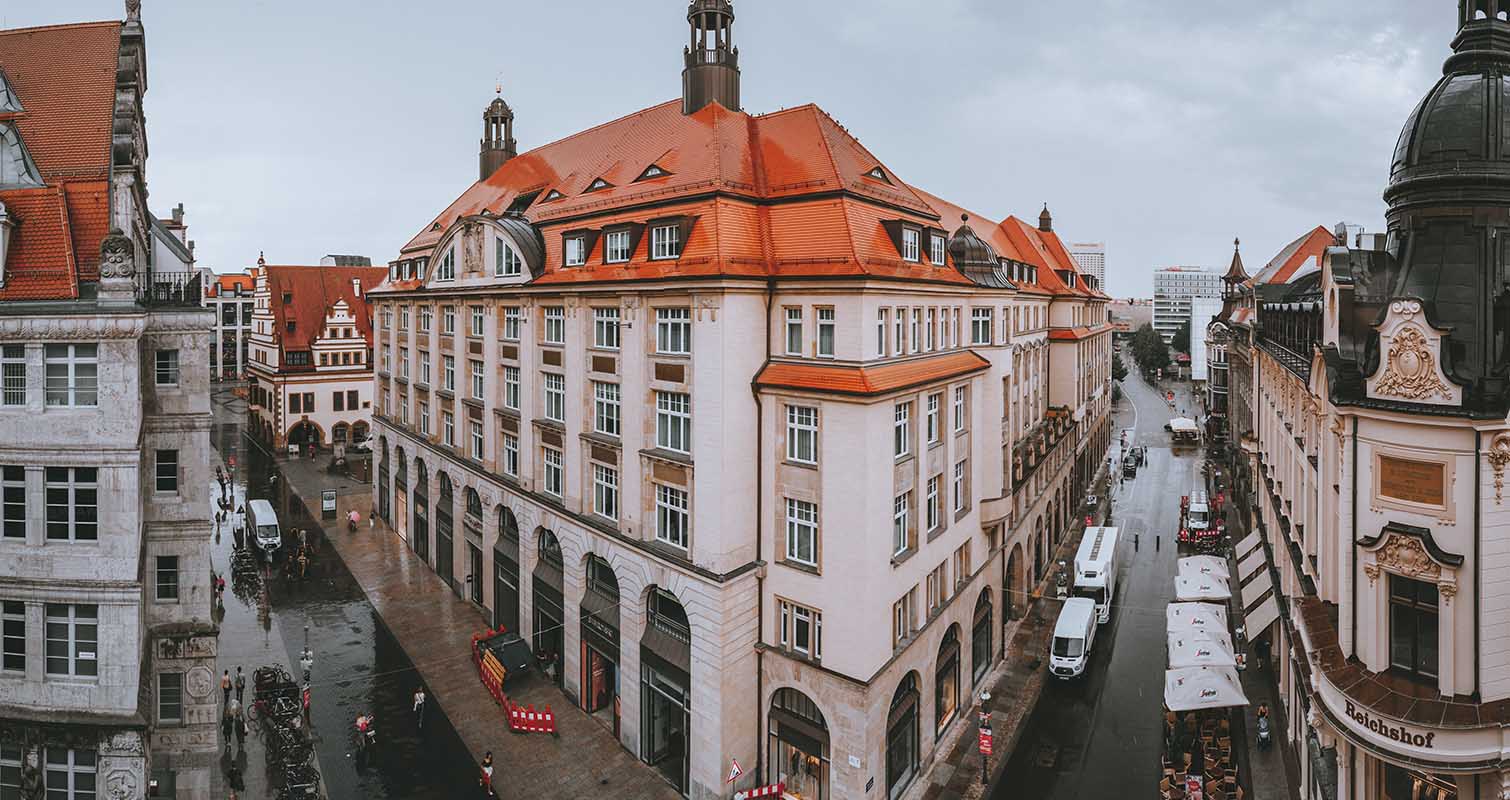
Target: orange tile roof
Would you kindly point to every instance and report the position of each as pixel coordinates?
(869, 380)
(1311, 244)
(64, 76)
(1077, 332)
(40, 264)
(314, 290)
(232, 282)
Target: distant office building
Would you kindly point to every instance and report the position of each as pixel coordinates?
(1091, 256)
(1173, 288)
(1130, 315)
(230, 297)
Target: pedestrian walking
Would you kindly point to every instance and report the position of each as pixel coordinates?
(226, 725)
(419, 707)
(240, 726)
(225, 688)
(486, 779)
(240, 685)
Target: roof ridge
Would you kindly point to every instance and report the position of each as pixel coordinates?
(60, 26)
(780, 111)
(586, 131)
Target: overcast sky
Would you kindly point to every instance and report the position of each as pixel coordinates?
(1163, 127)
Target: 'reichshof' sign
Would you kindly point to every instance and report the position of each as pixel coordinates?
(1395, 733)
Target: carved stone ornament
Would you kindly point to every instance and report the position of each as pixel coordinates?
(1339, 431)
(123, 743)
(471, 248)
(199, 682)
(121, 785)
(1406, 556)
(117, 326)
(117, 256)
(1499, 456)
(1411, 373)
(709, 304)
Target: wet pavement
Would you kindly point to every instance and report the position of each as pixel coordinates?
(358, 666)
(1099, 735)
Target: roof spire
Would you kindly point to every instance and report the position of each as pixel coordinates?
(711, 74)
(1235, 273)
(133, 10)
(1046, 220)
(497, 144)
(261, 262)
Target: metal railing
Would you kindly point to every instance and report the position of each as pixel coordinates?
(169, 289)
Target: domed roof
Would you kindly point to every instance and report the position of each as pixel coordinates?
(1455, 146)
(975, 258)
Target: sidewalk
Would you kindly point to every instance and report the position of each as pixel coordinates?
(434, 628)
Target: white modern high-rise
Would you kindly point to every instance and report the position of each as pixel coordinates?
(1091, 256)
(1173, 288)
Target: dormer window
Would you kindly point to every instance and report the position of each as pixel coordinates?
(596, 185)
(652, 171)
(665, 242)
(616, 247)
(506, 262)
(936, 250)
(8, 99)
(446, 270)
(878, 174)
(552, 195)
(576, 251)
(16, 166)
(910, 237)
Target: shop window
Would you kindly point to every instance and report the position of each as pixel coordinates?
(798, 746)
(1413, 627)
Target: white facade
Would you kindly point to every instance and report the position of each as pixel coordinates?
(1202, 309)
(1091, 257)
(1173, 290)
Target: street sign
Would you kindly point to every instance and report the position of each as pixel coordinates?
(328, 503)
(734, 770)
(985, 741)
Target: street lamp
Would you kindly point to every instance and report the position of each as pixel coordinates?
(985, 737)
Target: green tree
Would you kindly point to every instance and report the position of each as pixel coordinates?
(1119, 370)
(1149, 350)
(1181, 341)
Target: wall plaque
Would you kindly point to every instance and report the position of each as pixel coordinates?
(1420, 482)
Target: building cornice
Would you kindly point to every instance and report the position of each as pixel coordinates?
(73, 328)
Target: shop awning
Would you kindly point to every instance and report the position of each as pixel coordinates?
(1202, 587)
(1196, 566)
(1259, 618)
(1260, 607)
(1247, 545)
(1195, 688)
(1184, 616)
(1256, 586)
(1209, 647)
(1251, 564)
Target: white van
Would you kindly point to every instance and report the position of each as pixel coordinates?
(1198, 518)
(262, 526)
(1074, 634)
(1096, 569)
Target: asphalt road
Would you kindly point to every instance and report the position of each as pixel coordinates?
(1098, 736)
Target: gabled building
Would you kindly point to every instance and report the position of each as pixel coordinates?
(108, 640)
(310, 354)
(230, 297)
(767, 443)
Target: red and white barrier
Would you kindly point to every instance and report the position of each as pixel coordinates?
(770, 790)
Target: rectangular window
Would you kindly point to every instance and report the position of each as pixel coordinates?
(403, 409)
(605, 408)
(605, 328)
(937, 592)
(167, 578)
(801, 629)
(901, 617)
(980, 326)
(170, 697)
(961, 494)
(72, 375)
(954, 325)
(551, 458)
(901, 536)
(931, 417)
(932, 503)
(476, 437)
(555, 397)
(616, 247)
(426, 318)
(899, 336)
(673, 331)
(13, 502)
(576, 251)
(802, 532)
(910, 238)
(13, 374)
(13, 636)
(387, 359)
(902, 430)
(72, 639)
(915, 335)
(959, 409)
(477, 320)
(1413, 627)
(70, 774)
(671, 518)
(351, 400)
(880, 333)
(605, 491)
(665, 242)
(825, 332)
(403, 318)
(511, 388)
(936, 250)
(448, 428)
(506, 262)
(338, 401)
(403, 368)
(448, 373)
(555, 325)
(794, 331)
(511, 323)
(802, 434)
(476, 368)
(511, 455)
(423, 410)
(72, 503)
(962, 568)
(928, 329)
(448, 320)
(673, 421)
(167, 368)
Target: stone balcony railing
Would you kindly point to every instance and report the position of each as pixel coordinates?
(168, 289)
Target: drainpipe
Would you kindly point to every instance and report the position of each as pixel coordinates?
(770, 291)
(1478, 442)
(1353, 577)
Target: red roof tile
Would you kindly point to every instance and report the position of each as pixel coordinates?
(64, 76)
(230, 283)
(89, 216)
(314, 290)
(1076, 333)
(40, 263)
(869, 380)
(1311, 244)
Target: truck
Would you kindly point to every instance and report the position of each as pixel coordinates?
(1198, 514)
(1074, 633)
(262, 527)
(1096, 569)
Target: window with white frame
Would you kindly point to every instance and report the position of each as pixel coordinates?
(605, 491)
(511, 323)
(914, 332)
(477, 378)
(72, 375)
(801, 629)
(961, 495)
(980, 326)
(550, 459)
(403, 364)
(665, 242)
(902, 430)
(962, 567)
(943, 329)
(448, 320)
(506, 262)
(403, 318)
(477, 320)
(959, 409)
(423, 409)
(448, 428)
(880, 333)
(931, 417)
(671, 517)
(794, 331)
(576, 251)
(511, 455)
(901, 617)
(424, 366)
(936, 249)
(555, 325)
(387, 359)
(403, 409)
(802, 434)
(13, 636)
(73, 633)
(387, 318)
(170, 698)
(605, 328)
(802, 532)
(910, 238)
(13, 502)
(928, 340)
(673, 421)
(511, 388)
(901, 534)
(476, 436)
(446, 269)
(825, 332)
(616, 247)
(555, 396)
(426, 318)
(673, 331)
(931, 504)
(448, 373)
(71, 774)
(957, 336)
(167, 578)
(73, 507)
(165, 474)
(898, 336)
(13, 374)
(605, 408)
(937, 589)
(167, 367)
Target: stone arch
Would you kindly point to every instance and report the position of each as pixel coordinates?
(981, 651)
(946, 680)
(340, 433)
(305, 432)
(903, 742)
(445, 528)
(360, 431)
(419, 536)
(1014, 588)
(506, 571)
(798, 736)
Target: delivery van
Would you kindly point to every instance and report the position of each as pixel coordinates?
(262, 526)
(1096, 565)
(1074, 634)
(1199, 515)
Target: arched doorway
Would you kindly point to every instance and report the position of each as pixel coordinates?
(666, 687)
(384, 490)
(338, 433)
(471, 522)
(798, 748)
(600, 643)
(304, 433)
(946, 682)
(360, 431)
(1014, 583)
(902, 736)
(506, 572)
(420, 537)
(548, 600)
(981, 655)
(401, 492)
(445, 552)
(1037, 545)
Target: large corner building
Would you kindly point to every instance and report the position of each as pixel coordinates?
(766, 442)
